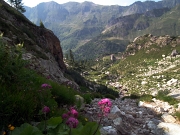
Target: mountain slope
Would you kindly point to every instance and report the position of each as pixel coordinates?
(76, 23)
(146, 66)
(123, 29)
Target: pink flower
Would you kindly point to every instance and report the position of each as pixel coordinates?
(65, 116)
(106, 111)
(74, 113)
(105, 101)
(45, 86)
(105, 105)
(72, 122)
(46, 109)
(69, 113)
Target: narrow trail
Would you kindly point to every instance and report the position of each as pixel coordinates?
(128, 117)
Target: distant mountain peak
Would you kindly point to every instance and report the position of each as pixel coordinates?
(76, 24)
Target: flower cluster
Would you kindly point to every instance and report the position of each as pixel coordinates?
(105, 106)
(71, 118)
(45, 85)
(46, 109)
(72, 122)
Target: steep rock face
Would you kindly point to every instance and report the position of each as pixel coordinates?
(51, 42)
(42, 47)
(19, 29)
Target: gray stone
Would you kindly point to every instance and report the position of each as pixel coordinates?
(108, 130)
(115, 109)
(79, 101)
(168, 118)
(117, 121)
(170, 128)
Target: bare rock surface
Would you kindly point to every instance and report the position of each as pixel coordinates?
(127, 117)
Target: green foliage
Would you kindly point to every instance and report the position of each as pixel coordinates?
(177, 114)
(14, 104)
(100, 46)
(96, 95)
(56, 127)
(110, 96)
(105, 90)
(52, 123)
(15, 87)
(162, 95)
(71, 56)
(18, 5)
(87, 98)
(146, 98)
(26, 129)
(88, 129)
(12, 63)
(22, 97)
(41, 24)
(73, 73)
(84, 89)
(63, 94)
(132, 96)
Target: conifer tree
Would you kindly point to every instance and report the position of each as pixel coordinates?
(18, 5)
(41, 24)
(71, 55)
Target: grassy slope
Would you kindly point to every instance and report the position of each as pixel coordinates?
(142, 66)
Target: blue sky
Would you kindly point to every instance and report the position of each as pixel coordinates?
(32, 3)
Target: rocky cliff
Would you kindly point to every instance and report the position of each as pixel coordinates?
(42, 47)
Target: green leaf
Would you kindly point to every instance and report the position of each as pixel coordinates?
(61, 129)
(26, 129)
(53, 122)
(76, 132)
(88, 129)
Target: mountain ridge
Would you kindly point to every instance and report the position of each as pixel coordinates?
(81, 22)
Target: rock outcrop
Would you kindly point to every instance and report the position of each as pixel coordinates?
(151, 43)
(42, 47)
(19, 29)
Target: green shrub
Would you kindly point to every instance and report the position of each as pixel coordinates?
(87, 98)
(17, 106)
(177, 114)
(11, 62)
(162, 95)
(41, 24)
(63, 94)
(146, 97)
(132, 96)
(22, 100)
(84, 89)
(19, 88)
(163, 92)
(105, 90)
(97, 95)
(110, 96)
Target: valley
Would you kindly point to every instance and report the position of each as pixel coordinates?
(90, 69)
(73, 23)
